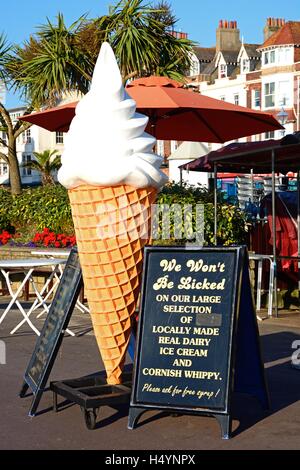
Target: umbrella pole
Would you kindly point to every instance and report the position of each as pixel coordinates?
(215, 204)
(274, 234)
(252, 184)
(298, 226)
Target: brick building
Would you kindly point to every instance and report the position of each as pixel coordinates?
(260, 76)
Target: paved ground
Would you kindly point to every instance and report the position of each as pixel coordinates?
(79, 356)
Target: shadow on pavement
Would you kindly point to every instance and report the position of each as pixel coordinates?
(283, 382)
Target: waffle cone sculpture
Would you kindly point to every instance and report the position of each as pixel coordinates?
(112, 176)
(112, 226)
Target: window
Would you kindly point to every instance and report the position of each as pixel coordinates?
(222, 98)
(4, 136)
(236, 99)
(14, 116)
(174, 145)
(195, 67)
(27, 137)
(269, 135)
(59, 137)
(256, 99)
(3, 169)
(269, 95)
(269, 57)
(256, 138)
(245, 66)
(161, 148)
(284, 93)
(285, 55)
(222, 71)
(26, 159)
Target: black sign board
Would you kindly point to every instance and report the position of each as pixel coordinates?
(48, 343)
(197, 325)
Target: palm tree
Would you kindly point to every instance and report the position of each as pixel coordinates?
(140, 36)
(10, 130)
(60, 59)
(45, 163)
(51, 63)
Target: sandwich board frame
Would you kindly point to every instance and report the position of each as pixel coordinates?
(242, 368)
(56, 323)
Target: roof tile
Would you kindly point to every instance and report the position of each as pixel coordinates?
(288, 34)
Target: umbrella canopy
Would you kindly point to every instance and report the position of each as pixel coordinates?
(175, 114)
(189, 151)
(244, 157)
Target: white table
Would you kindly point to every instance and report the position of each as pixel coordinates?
(260, 259)
(27, 267)
(64, 253)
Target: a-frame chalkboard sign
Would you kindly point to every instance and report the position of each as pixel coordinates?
(198, 338)
(48, 343)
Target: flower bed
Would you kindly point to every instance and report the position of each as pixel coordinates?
(46, 238)
(50, 239)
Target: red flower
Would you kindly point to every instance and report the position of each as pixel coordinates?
(5, 237)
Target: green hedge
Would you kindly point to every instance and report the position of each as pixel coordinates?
(232, 224)
(37, 208)
(49, 207)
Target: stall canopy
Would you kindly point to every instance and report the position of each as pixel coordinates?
(281, 156)
(256, 156)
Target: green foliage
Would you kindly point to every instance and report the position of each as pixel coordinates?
(59, 58)
(232, 226)
(5, 205)
(45, 163)
(4, 50)
(140, 36)
(37, 208)
(51, 63)
(48, 206)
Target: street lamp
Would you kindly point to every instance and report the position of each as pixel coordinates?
(282, 118)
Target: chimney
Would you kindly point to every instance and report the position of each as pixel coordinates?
(228, 36)
(272, 26)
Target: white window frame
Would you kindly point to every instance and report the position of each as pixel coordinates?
(269, 58)
(59, 138)
(269, 135)
(256, 97)
(222, 71)
(245, 65)
(27, 158)
(160, 145)
(4, 136)
(27, 138)
(3, 168)
(285, 55)
(268, 94)
(284, 97)
(174, 145)
(195, 67)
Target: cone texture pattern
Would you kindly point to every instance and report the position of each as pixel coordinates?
(112, 226)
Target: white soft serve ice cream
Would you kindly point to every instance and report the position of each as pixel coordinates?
(106, 144)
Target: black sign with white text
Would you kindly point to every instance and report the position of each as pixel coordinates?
(187, 327)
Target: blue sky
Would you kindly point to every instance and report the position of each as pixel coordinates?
(197, 17)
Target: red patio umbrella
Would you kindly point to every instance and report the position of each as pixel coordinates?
(175, 114)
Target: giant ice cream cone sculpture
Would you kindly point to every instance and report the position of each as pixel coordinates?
(113, 177)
